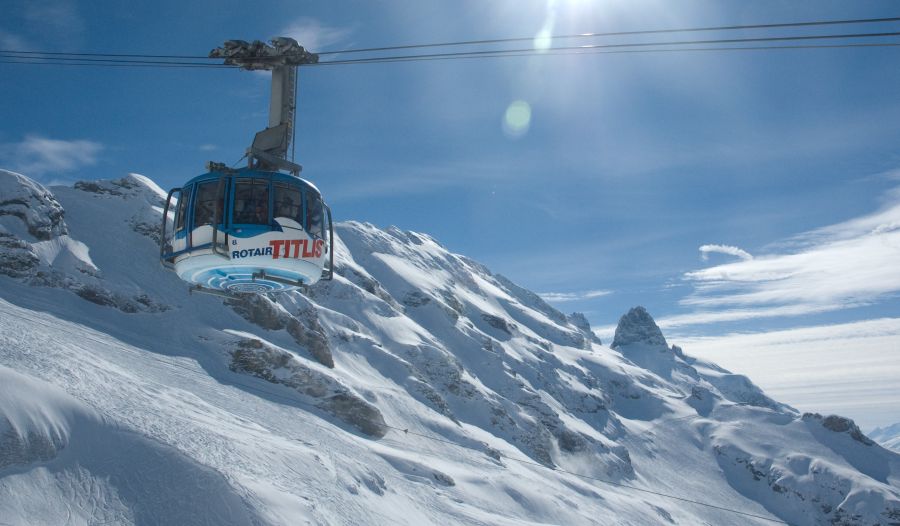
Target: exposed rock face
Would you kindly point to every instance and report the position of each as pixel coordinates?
(17, 259)
(260, 310)
(304, 328)
(637, 326)
(130, 186)
(839, 424)
(307, 332)
(580, 322)
(279, 367)
(33, 204)
(499, 323)
(35, 246)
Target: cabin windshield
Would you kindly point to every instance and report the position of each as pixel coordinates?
(315, 216)
(181, 210)
(251, 202)
(288, 203)
(208, 204)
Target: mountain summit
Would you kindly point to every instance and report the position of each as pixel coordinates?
(418, 387)
(637, 326)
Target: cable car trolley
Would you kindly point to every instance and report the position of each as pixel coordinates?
(254, 229)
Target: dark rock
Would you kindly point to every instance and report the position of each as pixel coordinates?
(498, 323)
(259, 310)
(257, 359)
(308, 333)
(357, 412)
(17, 259)
(637, 326)
(33, 204)
(443, 479)
(580, 322)
(97, 295)
(416, 299)
(840, 424)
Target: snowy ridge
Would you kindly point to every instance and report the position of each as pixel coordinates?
(888, 436)
(291, 409)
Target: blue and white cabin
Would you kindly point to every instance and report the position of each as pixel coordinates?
(247, 230)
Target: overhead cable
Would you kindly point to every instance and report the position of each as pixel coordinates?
(532, 50)
(621, 33)
(59, 54)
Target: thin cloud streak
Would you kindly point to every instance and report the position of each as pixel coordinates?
(841, 266)
(57, 18)
(36, 156)
(562, 297)
(706, 250)
(313, 34)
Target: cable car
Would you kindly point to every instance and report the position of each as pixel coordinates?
(248, 230)
(254, 229)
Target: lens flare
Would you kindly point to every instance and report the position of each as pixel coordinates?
(517, 118)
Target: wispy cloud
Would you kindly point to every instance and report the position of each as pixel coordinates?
(313, 34)
(560, 297)
(13, 42)
(207, 147)
(36, 156)
(59, 19)
(840, 266)
(706, 250)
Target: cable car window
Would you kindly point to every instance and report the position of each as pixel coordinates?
(251, 202)
(181, 212)
(288, 203)
(314, 214)
(207, 203)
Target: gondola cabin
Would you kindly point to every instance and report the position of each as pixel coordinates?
(247, 230)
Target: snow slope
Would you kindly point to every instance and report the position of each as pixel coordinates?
(416, 388)
(888, 436)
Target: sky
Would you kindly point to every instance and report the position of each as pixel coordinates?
(741, 197)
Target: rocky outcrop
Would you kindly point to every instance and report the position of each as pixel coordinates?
(839, 424)
(130, 186)
(33, 204)
(304, 328)
(580, 322)
(264, 361)
(637, 326)
(17, 259)
(308, 333)
(259, 310)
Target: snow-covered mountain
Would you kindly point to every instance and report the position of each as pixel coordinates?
(888, 436)
(418, 387)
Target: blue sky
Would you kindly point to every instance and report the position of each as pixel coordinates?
(782, 164)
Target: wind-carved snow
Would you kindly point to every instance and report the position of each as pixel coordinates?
(418, 387)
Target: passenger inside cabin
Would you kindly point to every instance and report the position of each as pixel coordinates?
(261, 213)
(286, 207)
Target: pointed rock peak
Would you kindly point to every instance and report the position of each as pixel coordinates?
(637, 326)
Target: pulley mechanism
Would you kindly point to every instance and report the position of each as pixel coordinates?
(281, 56)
